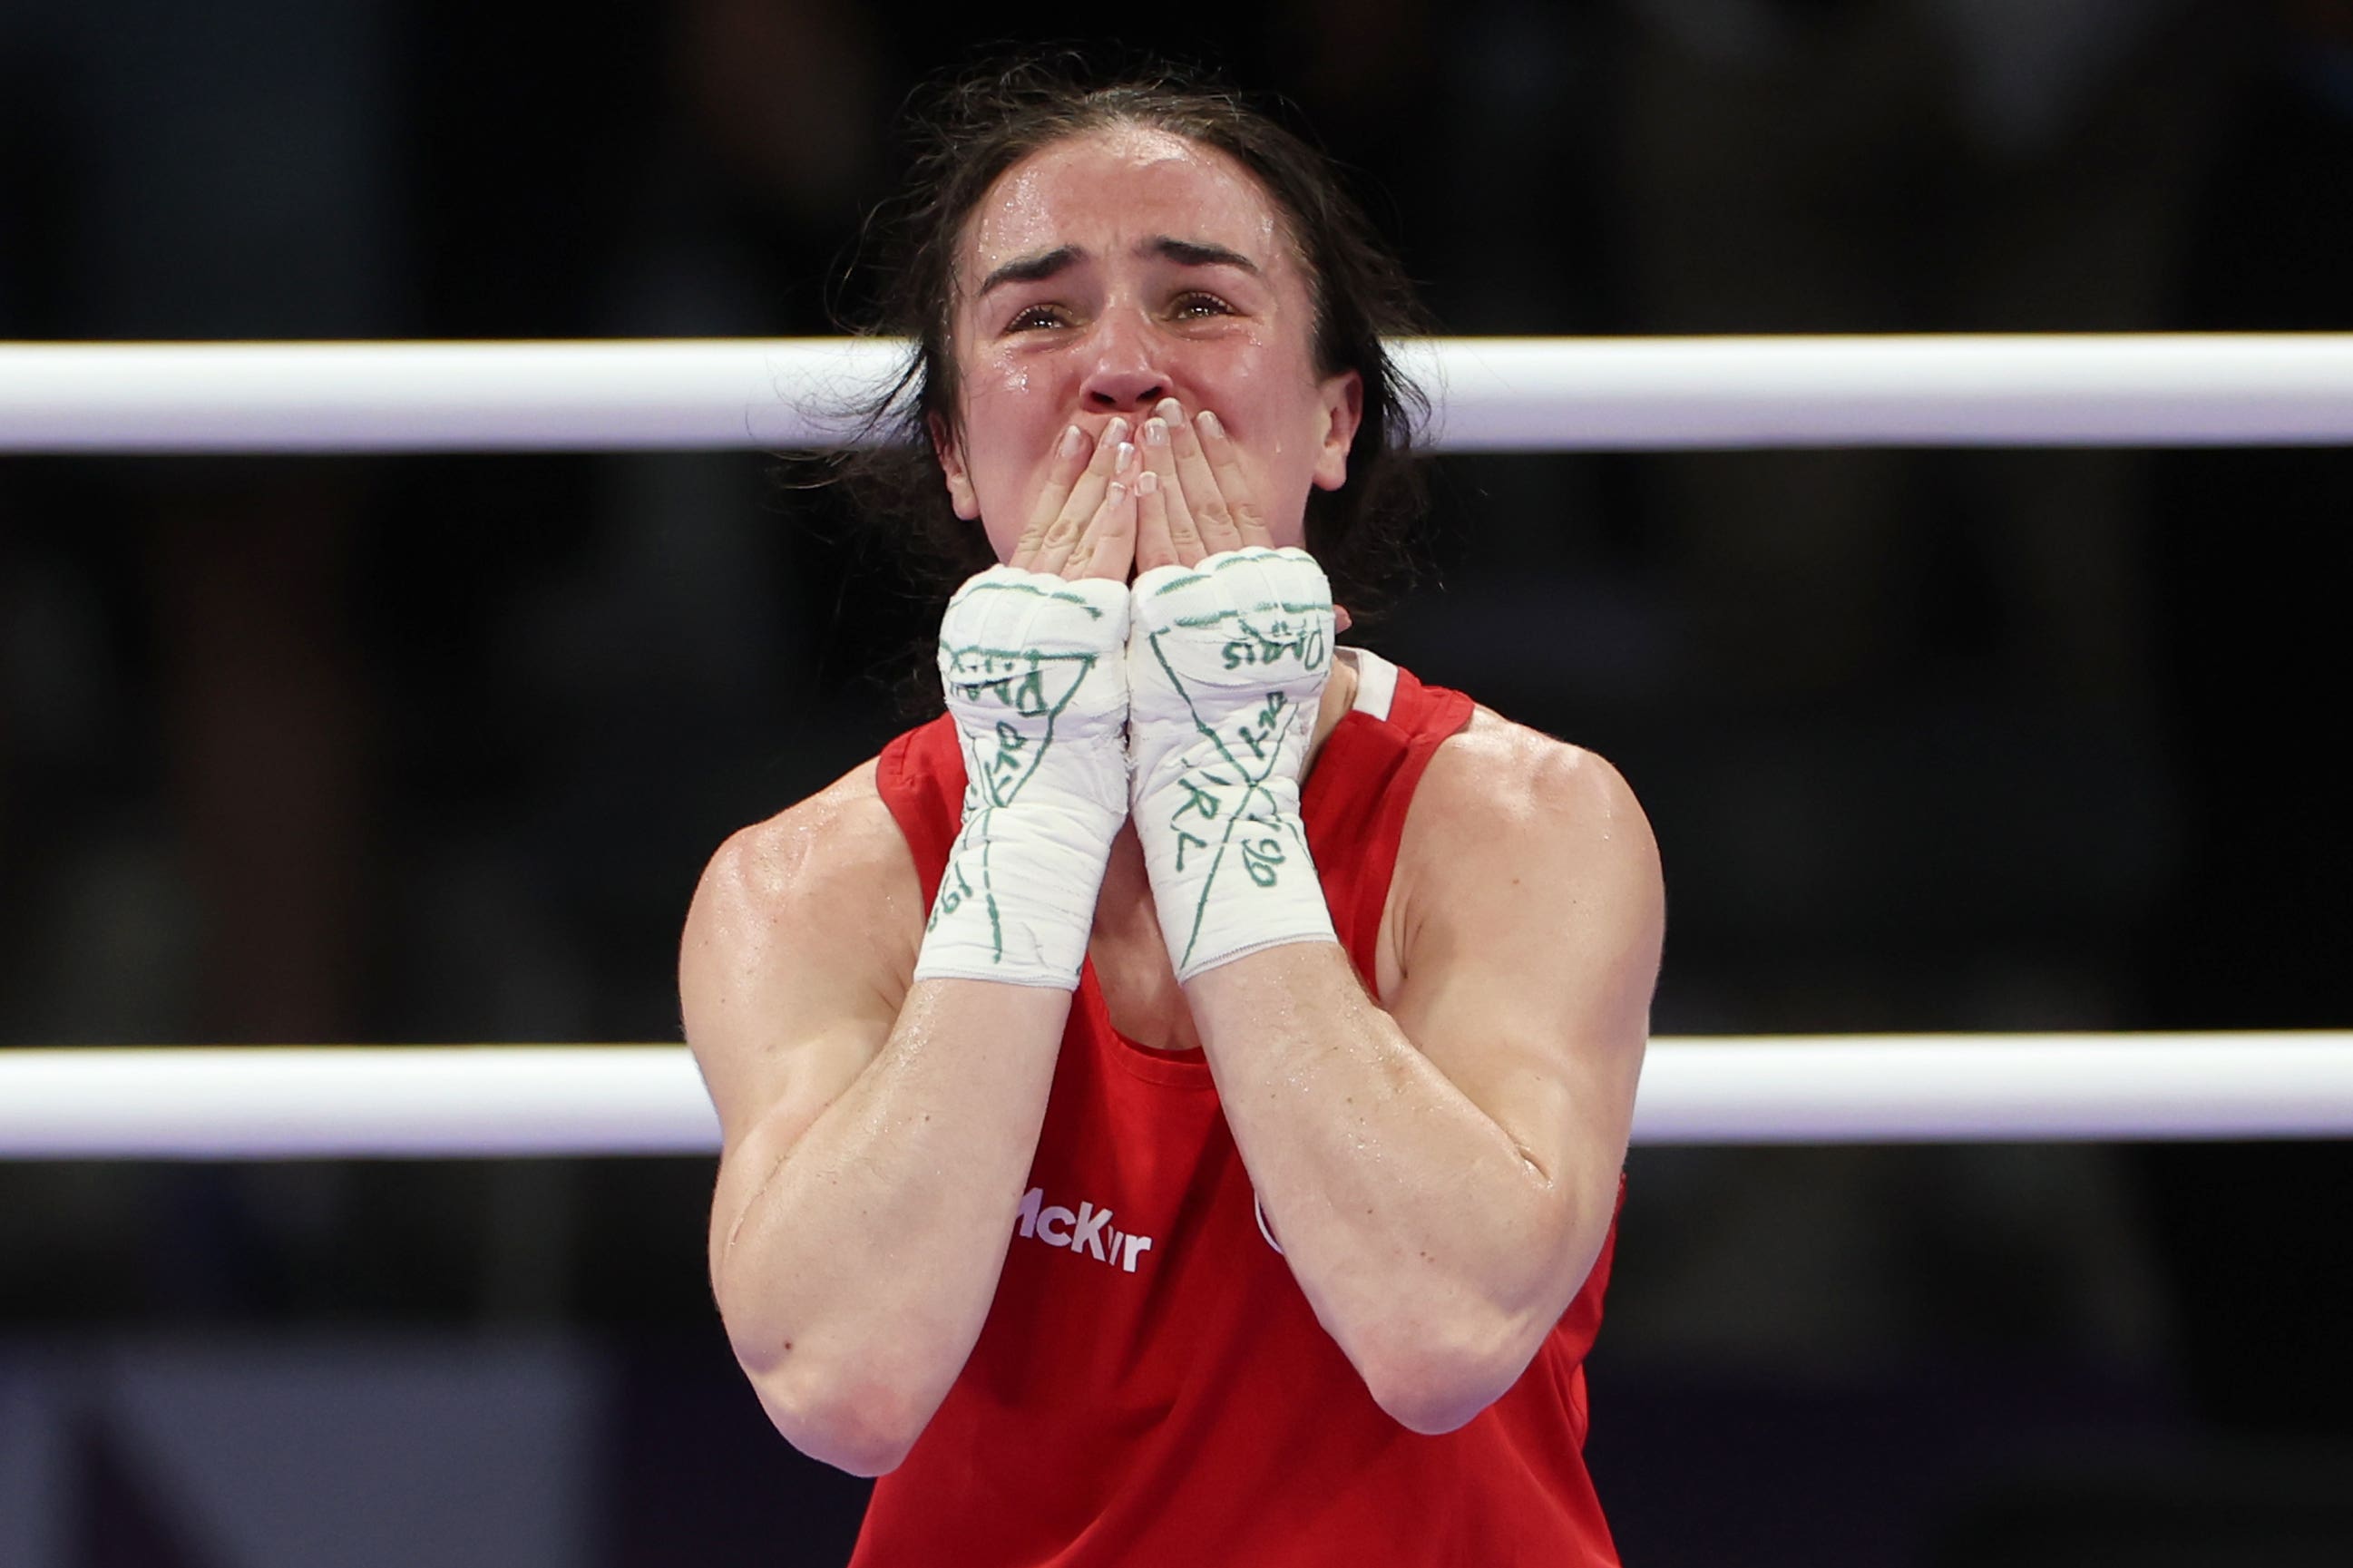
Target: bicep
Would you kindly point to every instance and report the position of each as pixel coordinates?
(1531, 951)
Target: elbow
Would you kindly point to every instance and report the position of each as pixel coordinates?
(857, 1424)
(1439, 1382)
(1435, 1366)
(1434, 1400)
(834, 1403)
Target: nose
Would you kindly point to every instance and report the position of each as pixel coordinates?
(1126, 376)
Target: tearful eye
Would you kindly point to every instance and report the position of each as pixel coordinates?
(1200, 304)
(1034, 318)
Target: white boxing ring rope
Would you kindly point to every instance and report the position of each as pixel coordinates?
(548, 1100)
(1487, 394)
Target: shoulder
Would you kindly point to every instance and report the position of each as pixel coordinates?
(1508, 817)
(804, 925)
(840, 846)
(1496, 775)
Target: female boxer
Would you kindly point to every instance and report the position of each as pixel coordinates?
(1174, 1102)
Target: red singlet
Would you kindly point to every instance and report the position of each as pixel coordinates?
(1151, 1386)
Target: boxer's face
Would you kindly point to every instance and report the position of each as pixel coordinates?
(1111, 270)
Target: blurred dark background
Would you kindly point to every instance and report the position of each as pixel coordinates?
(432, 748)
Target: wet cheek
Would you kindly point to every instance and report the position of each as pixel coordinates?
(1018, 395)
(1011, 381)
(995, 389)
(1006, 435)
(1255, 393)
(996, 414)
(1258, 398)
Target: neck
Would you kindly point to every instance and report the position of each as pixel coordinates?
(1339, 695)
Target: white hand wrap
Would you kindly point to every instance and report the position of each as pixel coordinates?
(1226, 663)
(1035, 679)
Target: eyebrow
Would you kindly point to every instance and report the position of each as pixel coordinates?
(1048, 264)
(1030, 268)
(1194, 253)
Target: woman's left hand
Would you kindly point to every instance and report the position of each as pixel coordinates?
(1193, 498)
(1199, 503)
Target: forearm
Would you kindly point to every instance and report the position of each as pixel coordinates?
(1429, 1244)
(857, 1276)
(1423, 1239)
(854, 1272)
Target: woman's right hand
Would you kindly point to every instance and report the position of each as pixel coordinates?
(1032, 660)
(1084, 522)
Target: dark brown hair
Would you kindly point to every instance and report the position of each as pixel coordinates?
(969, 129)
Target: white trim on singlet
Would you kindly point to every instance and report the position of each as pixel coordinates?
(1375, 682)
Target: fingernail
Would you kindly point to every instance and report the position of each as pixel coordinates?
(1168, 408)
(1127, 455)
(1116, 494)
(1115, 432)
(1155, 433)
(1074, 441)
(1210, 426)
(1147, 483)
